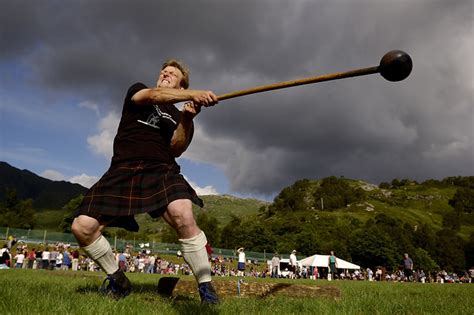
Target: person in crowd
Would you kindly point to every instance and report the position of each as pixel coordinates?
(293, 265)
(378, 274)
(19, 258)
(45, 258)
(370, 274)
(151, 265)
(75, 260)
(67, 261)
(39, 258)
(407, 267)
(11, 242)
(31, 258)
(332, 263)
(5, 257)
(122, 260)
(241, 262)
(59, 261)
(163, 266)
(315, 273)
(422, 276)
(275, 265)
(53, 256)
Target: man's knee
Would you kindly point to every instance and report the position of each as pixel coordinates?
(84, 227)
(179, 215)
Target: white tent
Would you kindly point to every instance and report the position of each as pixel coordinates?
(323, 261)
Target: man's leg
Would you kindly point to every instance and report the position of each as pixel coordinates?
(87, 231)
(193, 241)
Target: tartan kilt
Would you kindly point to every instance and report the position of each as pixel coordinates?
(130, 188)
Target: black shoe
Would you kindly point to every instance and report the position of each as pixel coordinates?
(208, 293)
(118, 285)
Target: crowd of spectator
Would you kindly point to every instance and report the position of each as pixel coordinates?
(381, 274)
(49, 257)
(61, 256)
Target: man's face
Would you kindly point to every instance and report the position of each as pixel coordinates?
(170, 77)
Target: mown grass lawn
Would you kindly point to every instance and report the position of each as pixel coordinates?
(67, 292)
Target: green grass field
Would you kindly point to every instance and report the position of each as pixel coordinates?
(67, 292)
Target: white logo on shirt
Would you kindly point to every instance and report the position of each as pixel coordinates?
(154, 119)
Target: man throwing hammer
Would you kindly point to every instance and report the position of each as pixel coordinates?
(144, 177)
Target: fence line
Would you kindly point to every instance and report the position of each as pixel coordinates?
(48, 237)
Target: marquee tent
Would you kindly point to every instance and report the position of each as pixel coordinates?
(323, 261)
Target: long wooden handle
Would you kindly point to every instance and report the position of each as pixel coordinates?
(286, 84)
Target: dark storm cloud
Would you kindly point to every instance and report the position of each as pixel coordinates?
(363, 128)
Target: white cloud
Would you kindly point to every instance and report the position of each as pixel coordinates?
(52, 175)
(102, 142)
(84, 180)
(201, 191)
(91, 106)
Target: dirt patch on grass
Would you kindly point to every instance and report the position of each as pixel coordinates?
(175, 287)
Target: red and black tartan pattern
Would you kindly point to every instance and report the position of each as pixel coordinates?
(131, 188)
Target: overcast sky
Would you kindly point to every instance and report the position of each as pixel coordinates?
(66, 66)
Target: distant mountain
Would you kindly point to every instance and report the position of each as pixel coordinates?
(46, 194)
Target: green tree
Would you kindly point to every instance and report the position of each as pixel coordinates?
(400, 234)
(336, 193)
(255, 236)
(292, 198)
(69, 209)
(452, 220)
(169, 235)
(229, 231)
(425, 238)
(462, 181)
(308, 243)
(17, 213)
(469, 252)
(211, 227)
(432, 183)
(463, 200)
(450, 250)
(423, 261)
(371, 246)
(395, 183)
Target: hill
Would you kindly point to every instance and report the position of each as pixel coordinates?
(45, 193)
(366, 224)
(220, 207)
(224, 207)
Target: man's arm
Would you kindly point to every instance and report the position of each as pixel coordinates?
(182, 134)
(171, 96)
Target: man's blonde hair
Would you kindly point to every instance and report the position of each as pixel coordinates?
(182, 67)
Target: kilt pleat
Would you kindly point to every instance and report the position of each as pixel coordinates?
(136, 187)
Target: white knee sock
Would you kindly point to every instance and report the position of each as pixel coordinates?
(101, 252)
(195, 254)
